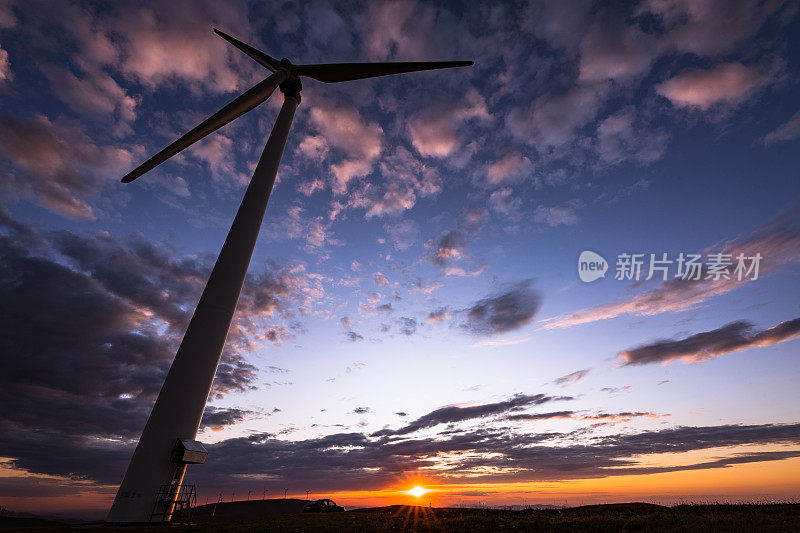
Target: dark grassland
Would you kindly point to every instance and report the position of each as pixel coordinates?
(614, 517)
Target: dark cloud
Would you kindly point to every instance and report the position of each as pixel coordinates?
(401, 413)
(56, 164)
(472, 219)
(525, 417)
(711, 27)
(353, 460)
(621, 417)
(216, 418)
(613, 50)
(449, 246)
(507, 311)
(573, 378)
(54, 451)
(738, 335)
(408, 326)
(438, 315)
(454, 413)
(614, 390)
(88, 328)
(37, 487)
(352, 336)
(361, 410)
(234, 374)
(99, 381)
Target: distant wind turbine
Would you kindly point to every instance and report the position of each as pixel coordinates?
(151, 486)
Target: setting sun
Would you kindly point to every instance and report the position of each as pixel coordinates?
(417, 491)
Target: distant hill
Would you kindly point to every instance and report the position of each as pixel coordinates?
(398, 508)
(26, 521)
(247, 509)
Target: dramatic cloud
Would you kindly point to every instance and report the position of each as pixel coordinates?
(573, 378)
(216, 418)
(709, 27)
(485, 454)
(100, 381)
(94, 94)
(5, 67)
(732, 337)
(352, 336)
(455, 413)
(616, 418)
(404, 179)
(508, 168)
(534, 417)
(408, 326)
(403, 234)
(612, 50)
(555, 118)
(503, 200)
(408, 30)
(558, 215)
(163, 43)
(507, 311)
(96, 322)
(788, 131)
(448, 247)
(56, 164)
(615, 390)
(354, 461)
(313, 147)
(619, 139)
(472, 219)
(728, 83)
(344, 129)
(434, 132)
(38, 487)
(439, 315)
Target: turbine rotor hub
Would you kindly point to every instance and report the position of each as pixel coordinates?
(292, 86)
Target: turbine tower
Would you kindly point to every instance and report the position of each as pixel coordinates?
(151, 488)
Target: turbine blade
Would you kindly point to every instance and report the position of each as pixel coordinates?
(241, 105)
(266, 61)
(335, 72)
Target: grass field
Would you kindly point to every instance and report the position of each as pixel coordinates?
(616, 517)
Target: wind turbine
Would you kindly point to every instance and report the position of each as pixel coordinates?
(152, 482)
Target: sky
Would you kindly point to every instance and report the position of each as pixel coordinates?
(414, 312)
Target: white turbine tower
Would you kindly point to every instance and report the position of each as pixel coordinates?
(152, 482)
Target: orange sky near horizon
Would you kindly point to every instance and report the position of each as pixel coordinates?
(762, 481)
(765, 481)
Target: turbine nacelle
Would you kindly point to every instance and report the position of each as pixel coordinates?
(285, 75)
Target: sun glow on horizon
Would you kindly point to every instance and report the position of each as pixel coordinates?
(418, 491)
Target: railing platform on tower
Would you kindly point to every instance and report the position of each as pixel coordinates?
(174, 504)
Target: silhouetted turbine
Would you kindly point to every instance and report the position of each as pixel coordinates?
(160, 457)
